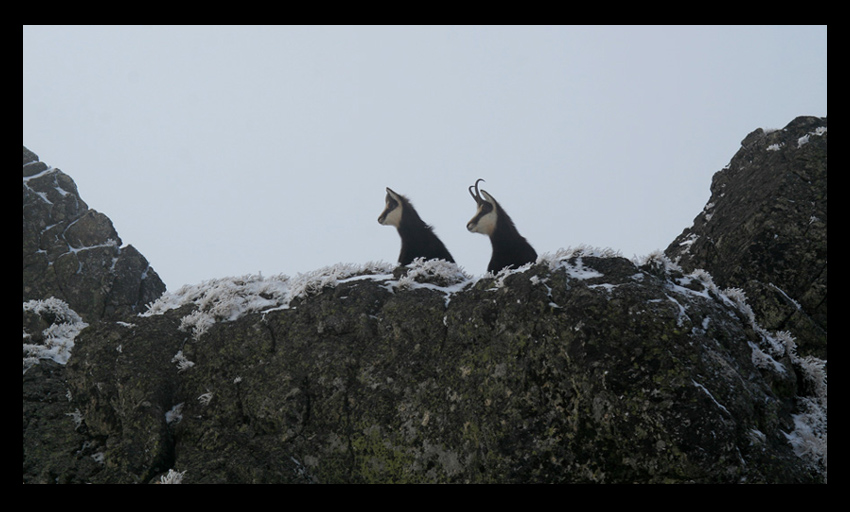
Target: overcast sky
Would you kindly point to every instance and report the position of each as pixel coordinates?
(224, 151)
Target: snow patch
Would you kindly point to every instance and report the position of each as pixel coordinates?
(172, 477)
(576, 269)
(57, 339)
(175, 414)
(819, 131)
(182, 362)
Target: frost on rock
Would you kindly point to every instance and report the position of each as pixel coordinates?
(571, 260)
(227, 299)
(205, 398)
(809, 437)
(562, 258)
(439, 273)
(182, 362)
(817, 132)
(56, 341)
(172, 477)
(175, 414)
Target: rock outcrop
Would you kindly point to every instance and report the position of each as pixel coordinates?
(74, 254)
(764, 230)
(584, 367)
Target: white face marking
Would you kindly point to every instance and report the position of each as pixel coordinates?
(391, 217)
(484, 224)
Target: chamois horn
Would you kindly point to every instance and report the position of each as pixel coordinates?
(477, 194)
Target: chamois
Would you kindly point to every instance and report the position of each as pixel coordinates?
(510, 249)
(417, 238)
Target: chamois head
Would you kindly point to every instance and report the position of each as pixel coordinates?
(417, 238)
(484, 221)
(510, 249)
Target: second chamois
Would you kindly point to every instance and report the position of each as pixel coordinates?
(510, 249)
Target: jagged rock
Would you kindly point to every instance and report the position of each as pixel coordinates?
(75, 272)
(764, 230)
(585, 367)
(74, 253)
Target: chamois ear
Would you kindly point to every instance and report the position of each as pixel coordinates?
(392, 194)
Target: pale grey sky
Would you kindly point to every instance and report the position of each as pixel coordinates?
(223, 151)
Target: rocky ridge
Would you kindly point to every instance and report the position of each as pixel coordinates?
(585, 367)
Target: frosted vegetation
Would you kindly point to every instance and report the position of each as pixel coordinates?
(227, 299)
(57, 340)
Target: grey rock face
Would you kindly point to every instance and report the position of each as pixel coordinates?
(584, 368)
(764, 230)
(74, 253)
(75, 273)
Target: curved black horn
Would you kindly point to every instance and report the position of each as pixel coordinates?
(477, 194)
